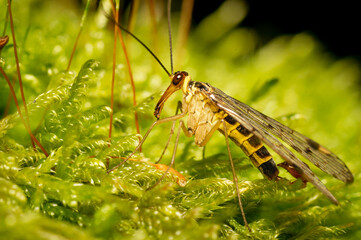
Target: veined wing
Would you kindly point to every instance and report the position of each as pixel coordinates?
(320, 156)
(231, 106)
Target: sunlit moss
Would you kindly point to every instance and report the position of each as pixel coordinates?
(69, 194)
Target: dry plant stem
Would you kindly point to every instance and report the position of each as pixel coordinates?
(235, 179)
(3, 41)
(72, 52)
(129, 69)
(79, 33)
(113, 80)
(5, 22)
(134, 6)
(168, 119)
(8, 102)
(74, 48)
(18, 69)
(184, 27)
(21, 115)
(153, 21)
(131, 82)
(145, 46)
(173, 157)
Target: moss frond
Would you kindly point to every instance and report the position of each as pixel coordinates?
(70, 195)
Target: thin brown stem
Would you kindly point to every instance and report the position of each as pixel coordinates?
(79, 33)
(134, 6)
(5, 22)
(184, 27)
(21, 115)
(113, 78)
(18, 68)
(153, 25)
(129, 69)
(145, 46)
(8, 102)
(74, 48)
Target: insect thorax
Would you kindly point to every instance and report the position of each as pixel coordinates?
(204, 116)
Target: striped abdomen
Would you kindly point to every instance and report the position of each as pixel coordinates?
(252, 147)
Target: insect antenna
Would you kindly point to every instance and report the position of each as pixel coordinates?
(170, 35)
(139, 41)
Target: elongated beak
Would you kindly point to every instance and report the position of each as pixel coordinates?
(170, 90)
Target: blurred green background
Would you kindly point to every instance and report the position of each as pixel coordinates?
(69, 194)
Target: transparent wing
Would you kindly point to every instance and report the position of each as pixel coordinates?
(317, 154)
(261, 126)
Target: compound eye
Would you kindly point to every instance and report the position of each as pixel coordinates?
(177, 78)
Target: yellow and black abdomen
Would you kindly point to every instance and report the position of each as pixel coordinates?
(252, 147)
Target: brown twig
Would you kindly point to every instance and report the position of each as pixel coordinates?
(129, 69)
(18, 68)
(21, 115)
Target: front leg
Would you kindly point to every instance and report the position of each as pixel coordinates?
(202, 142)
(164, 120)
(179, 108)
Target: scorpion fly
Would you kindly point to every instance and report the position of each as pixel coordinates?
(208, 109)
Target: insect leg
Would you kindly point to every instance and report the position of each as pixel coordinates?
(209, 135)
(166, 145)
(204, 152)
(168, 119)
(179, 108)
(235, 179)
(173, 157)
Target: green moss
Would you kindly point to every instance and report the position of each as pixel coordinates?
(70, 195)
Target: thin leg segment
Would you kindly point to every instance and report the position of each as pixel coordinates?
(168, 119)
(173, 158)
(235, 179)
(209, 135)
(166, 145)
(179, 108)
